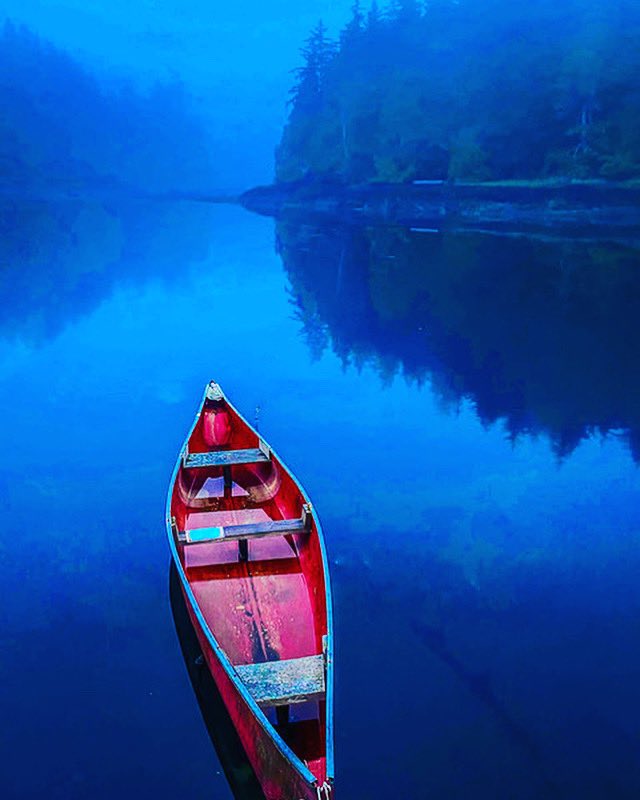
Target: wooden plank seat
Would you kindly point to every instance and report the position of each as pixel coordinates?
(251, 530)
(225, 458)
(283, 683)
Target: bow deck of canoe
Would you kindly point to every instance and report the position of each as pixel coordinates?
(250, 554)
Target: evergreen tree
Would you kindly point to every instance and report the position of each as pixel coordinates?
(404, 11)
(317, 52)
(353, 29)
(374, 17)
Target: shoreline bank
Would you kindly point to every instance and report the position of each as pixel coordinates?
(518, 206)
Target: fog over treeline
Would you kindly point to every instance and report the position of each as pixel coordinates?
(470, 89)
(232, 63)
(60, 123)
(466, 89)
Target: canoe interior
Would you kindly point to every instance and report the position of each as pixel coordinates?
(268, 603)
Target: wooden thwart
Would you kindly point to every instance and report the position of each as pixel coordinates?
(251, 530)
(283, 683)
(224, 458)
(231, 533)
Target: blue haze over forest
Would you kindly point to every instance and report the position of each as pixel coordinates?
(466, 90)
(234, 61)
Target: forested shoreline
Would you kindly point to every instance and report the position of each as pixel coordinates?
(597, 209)
(469, 90)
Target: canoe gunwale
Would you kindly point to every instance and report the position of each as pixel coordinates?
(304, 772)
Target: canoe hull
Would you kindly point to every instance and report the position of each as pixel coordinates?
(255, 602)
(277, 776)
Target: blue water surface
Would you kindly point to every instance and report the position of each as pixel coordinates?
(485, 574)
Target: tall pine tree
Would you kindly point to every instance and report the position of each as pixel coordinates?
(318, 52)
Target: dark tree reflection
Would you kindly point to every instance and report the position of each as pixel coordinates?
(540, 334)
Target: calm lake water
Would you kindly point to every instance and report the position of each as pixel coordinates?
(464, 412)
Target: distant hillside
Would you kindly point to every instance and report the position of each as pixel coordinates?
(470, 89)
(58, 122)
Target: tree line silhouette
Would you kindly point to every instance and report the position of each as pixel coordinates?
(469, 89)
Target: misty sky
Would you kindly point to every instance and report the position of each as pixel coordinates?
(235, 56)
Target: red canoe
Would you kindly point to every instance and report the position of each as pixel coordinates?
(250, 555)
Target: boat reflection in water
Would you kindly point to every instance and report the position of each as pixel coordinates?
(237, 769)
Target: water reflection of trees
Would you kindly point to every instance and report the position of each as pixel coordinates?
(60, 258)
(540, 334)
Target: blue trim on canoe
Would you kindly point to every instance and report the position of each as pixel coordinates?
(329, 607)
(285, 750)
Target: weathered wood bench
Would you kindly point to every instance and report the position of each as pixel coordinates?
(234, 533)
(283, 683)
(252, 530)
(227, 458)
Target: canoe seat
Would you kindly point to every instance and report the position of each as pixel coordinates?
(250, 530)
(283, 683)
(226, 458)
